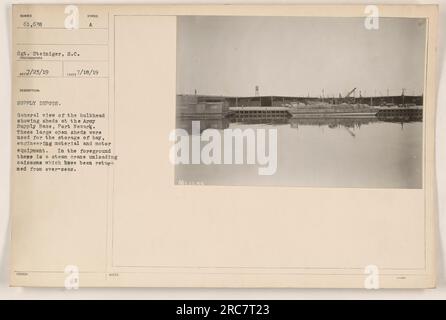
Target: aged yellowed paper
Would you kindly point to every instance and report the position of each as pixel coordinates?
(223, 146)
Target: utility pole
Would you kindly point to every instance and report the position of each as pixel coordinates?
(402, 94)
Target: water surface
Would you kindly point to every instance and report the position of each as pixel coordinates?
(363, 153)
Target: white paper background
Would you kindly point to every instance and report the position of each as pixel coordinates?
(83, 293)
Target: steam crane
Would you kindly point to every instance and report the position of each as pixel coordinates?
(348, 97)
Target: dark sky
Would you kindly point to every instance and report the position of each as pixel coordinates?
(299, 55)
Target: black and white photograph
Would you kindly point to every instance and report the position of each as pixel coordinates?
(300, 101)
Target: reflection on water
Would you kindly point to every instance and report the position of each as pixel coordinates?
(362, 152)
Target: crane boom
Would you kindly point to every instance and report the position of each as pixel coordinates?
(350, 93)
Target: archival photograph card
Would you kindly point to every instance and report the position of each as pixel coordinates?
(223, 146)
